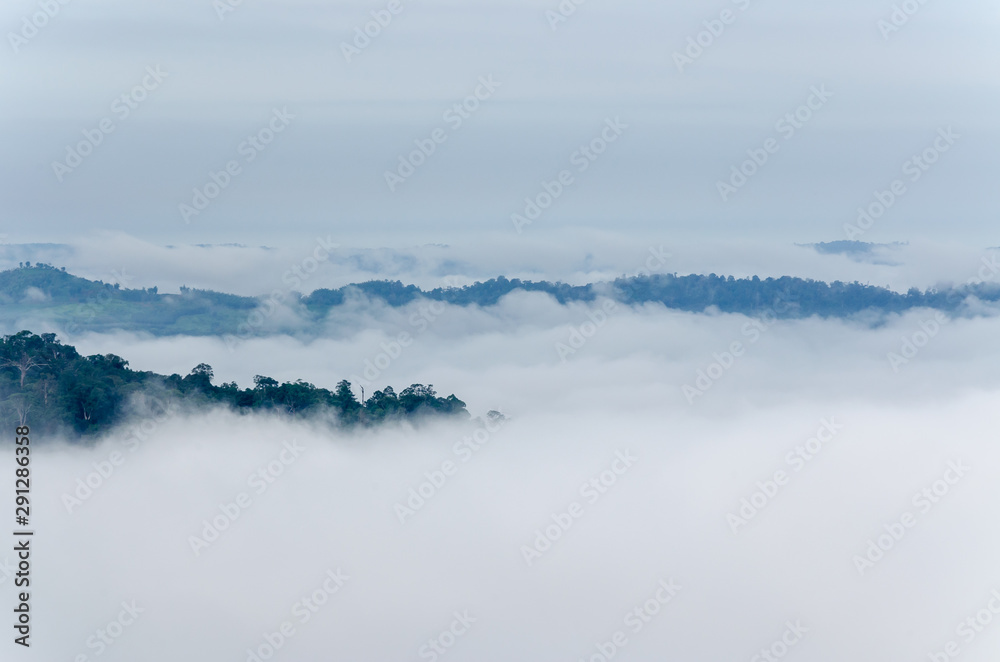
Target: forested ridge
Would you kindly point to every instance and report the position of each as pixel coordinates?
(48, 294)
(53, 388)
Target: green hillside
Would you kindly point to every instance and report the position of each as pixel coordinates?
(52, 388)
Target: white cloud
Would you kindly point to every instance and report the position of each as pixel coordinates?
(333, 508)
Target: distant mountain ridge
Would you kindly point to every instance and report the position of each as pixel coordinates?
(44, 292)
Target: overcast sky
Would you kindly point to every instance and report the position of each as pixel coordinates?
(202, 86)
(891, 92)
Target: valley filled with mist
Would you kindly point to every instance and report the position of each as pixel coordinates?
(508, 330)
(757, 467)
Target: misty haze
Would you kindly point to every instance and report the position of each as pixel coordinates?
(528, 330)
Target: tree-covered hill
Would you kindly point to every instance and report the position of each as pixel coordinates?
(42, 293)
(75, 304)
(785, 297)
(52, 388)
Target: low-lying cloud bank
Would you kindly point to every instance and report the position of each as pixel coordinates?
(815, 500)
(526, 349)
(555, 535)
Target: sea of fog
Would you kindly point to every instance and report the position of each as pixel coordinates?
(666, 486)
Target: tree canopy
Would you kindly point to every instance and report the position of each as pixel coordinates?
(50, 386)
(43, 292)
